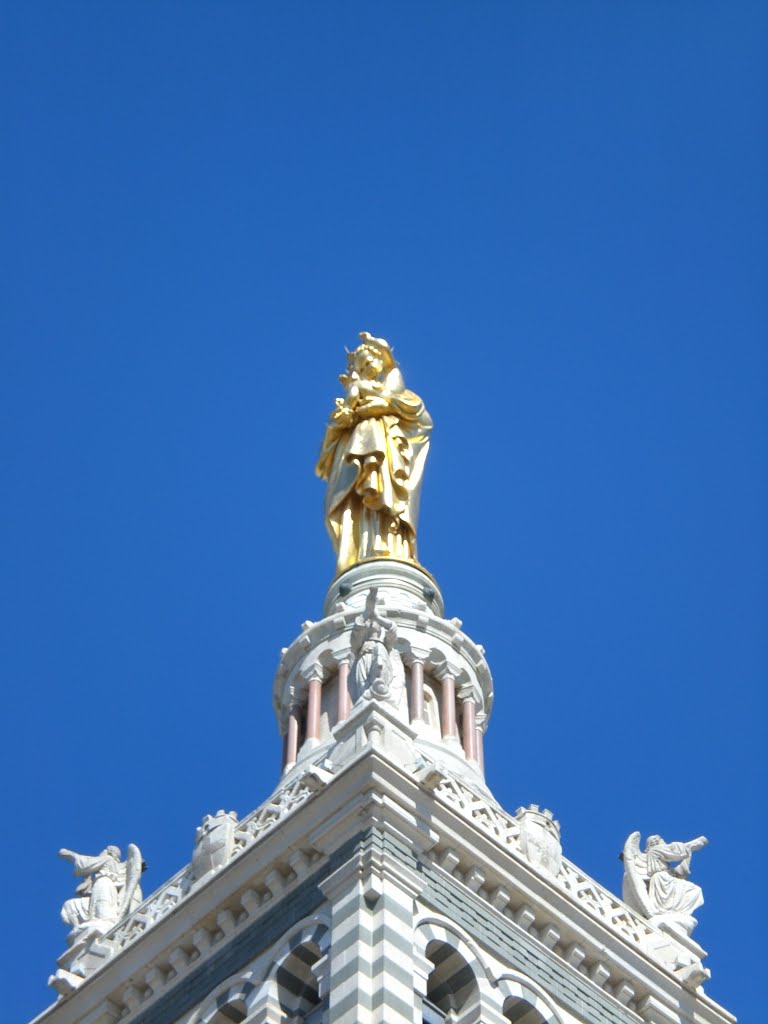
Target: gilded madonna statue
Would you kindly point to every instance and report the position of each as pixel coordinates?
(373, 458)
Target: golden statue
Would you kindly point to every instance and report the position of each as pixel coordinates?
(373, 458)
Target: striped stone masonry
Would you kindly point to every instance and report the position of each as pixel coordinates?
(382, 883)
(373, 902)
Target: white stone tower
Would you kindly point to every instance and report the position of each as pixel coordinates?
(381, 883)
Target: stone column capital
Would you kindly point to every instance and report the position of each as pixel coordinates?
(314, 670)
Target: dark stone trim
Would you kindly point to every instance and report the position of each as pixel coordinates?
(446, 895)
(267, 929)
(520, 951)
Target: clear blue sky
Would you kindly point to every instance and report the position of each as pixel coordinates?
(556, 212)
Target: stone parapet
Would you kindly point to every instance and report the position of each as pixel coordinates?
(376, 841)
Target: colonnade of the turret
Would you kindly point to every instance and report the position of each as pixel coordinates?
(435, 706)
(384, 644)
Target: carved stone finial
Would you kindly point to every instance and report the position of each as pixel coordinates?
(540, 838)
(214, 841)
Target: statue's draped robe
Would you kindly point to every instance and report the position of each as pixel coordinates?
(372, 640)
(98, 898)
(99, 895)
(374, 470)
(669, 893)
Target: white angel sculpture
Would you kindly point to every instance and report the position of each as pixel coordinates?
(654, 887)
(109, 890)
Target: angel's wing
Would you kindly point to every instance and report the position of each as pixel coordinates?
(633, 890)
(132, 875)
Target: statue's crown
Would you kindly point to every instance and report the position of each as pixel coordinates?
(381, 346)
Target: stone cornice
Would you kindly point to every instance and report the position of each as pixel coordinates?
(437, 643)
(562, 914)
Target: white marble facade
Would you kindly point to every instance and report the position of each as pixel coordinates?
(381, 882)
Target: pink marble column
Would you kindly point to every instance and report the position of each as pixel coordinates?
(448, 707)
(479, 748)
(292, 737)
(469, 729)
(417, 692)
(313, 708)
(343, 685)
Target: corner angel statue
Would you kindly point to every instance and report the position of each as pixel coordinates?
(109, 890)
(373, 456)
(656, 889)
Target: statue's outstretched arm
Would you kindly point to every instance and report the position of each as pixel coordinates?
(84, 864)
(697, 844)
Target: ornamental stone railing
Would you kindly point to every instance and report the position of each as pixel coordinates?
(582, 889)
(676, 952)
(253, 827)
(503, 828)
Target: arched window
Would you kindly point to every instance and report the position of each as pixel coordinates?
(518, 1010)
(451, 986)
(297, 985)
(431, 708)
(430, 1014)
(329, 703)
(233, 1012)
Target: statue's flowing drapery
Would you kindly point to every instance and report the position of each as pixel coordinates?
(671, 893)
(656, 882)
(374, 466)
(98, 895)
(110, 887)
